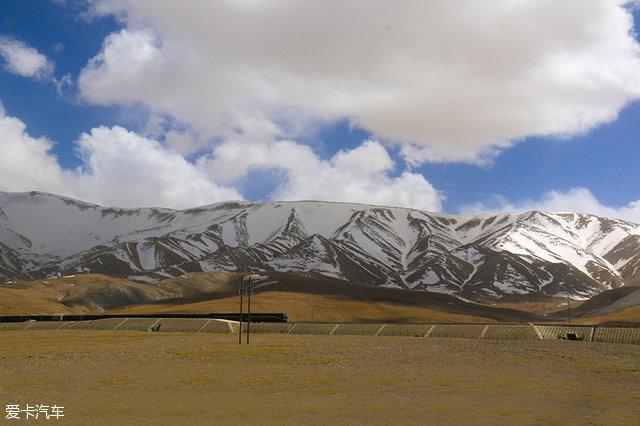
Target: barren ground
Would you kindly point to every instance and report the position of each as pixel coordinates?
(134, 378)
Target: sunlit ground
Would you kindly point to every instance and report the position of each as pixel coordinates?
(122, 377)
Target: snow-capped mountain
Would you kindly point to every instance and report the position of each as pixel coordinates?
(497, 256)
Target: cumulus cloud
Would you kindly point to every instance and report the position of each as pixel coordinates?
(24, 60)
(26, 162)
(122, 168)
(119, 168)
(573, 200)
(451, 81)
(363, 174)
(128, 59)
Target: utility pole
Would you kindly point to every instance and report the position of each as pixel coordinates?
(241, 291)
(246, 287)
(568, 310)
(250, 290)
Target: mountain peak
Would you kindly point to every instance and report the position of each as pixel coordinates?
(529, 254)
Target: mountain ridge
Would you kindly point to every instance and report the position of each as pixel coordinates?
(488, 256)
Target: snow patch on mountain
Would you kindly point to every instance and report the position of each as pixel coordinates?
(484, 256)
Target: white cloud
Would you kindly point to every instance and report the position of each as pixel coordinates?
(125, 169)
(573, 200)
(23, 60)
(26, 162)
(119, 168)
(122, 168)
(123, 69)
(459, 78)
(361, 175)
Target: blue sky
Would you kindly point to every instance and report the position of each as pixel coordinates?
(602, 160)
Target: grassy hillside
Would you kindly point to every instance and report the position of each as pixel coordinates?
(302, 297)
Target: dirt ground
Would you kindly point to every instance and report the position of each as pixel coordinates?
(145, 378)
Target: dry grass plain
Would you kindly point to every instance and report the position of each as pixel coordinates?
(149, 378)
